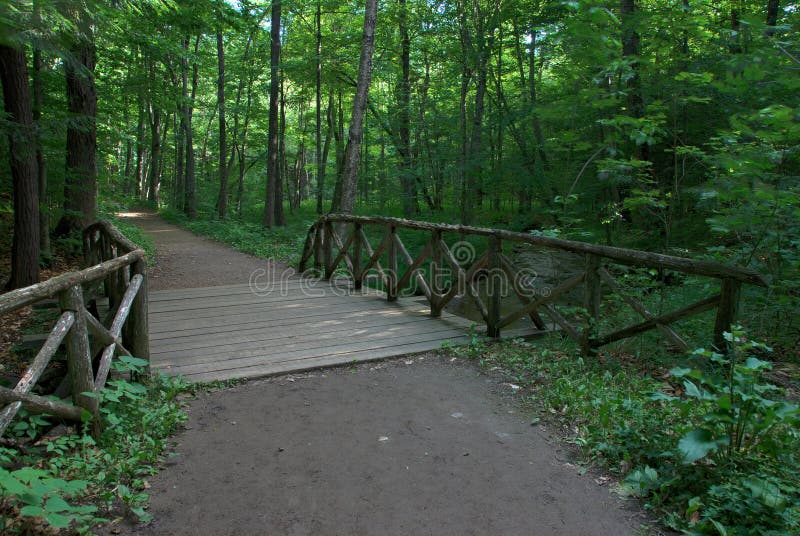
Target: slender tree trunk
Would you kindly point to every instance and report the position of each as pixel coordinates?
(280, 218)
(190, 203)
(773, 8)
(346, 203)
(222, 200)
(273, 200)
(80, 187)
(323, 163)
(630, 51)
(38, 105)
(22, 161)
(318, 154)
(404, 115)
(138, 173)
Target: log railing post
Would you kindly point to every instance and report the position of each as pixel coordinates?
(591, 301)
(79, 357)
(358, 275)
(318, 253)
(327, 246)
(136, 333)
(436, 274)
(495, 287)
(391, 271)
(726, 311)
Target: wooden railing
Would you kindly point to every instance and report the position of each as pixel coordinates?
(326, 246)
(117, 267)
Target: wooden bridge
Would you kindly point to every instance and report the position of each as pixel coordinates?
(348, 302)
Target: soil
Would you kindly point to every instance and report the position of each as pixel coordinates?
(186, 260)
(421, 445)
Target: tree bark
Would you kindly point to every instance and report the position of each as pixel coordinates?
(22, 161)
(346, 202)
(80, 187)
(631, 42)
(222, 200)
(404, 115)
(190, 202)
(318, 154)
(41, 163)
(273, 162)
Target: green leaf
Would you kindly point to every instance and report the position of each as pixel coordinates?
(692, 390)
(56, 504)
(58, 520)
(699, 443)
(30, 510)
(753, 363)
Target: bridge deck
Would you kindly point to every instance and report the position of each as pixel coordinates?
(219, 333)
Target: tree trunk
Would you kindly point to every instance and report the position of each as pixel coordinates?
(22, 161)
(222, 200)
(80, 186)
(404, 116)
(630, 51)
(190, 203)
(318, 154)
(273, 162)
(41, 163)
(773, 8)
(346, 202)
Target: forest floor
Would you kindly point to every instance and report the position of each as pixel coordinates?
(425, 444)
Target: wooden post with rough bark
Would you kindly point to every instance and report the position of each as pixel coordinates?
(79, 357)
(391, 272)
(726, 311)
(358, 278)
(327, 245)
(436, 274)
(137, 333)
(591, 301)
(495, 287)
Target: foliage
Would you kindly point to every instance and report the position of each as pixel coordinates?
(74, 481)
(284, 243)
(650, 442)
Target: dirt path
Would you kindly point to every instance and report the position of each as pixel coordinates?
(421, 445)
(186, 260)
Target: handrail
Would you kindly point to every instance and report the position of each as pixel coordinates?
(622, 255)
(116, 264)
(330, 249)
(14, 299)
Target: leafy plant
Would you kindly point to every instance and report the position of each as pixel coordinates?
(75, 481)
(738, 414)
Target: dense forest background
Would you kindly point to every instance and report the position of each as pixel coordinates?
(667, 125)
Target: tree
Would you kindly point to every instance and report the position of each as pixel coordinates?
(222, 200)
(349, 177)
(273, 205)
(22, 160)
(80, 188)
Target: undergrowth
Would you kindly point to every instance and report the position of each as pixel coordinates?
(283, 243)
(710, 447)
(74, 481)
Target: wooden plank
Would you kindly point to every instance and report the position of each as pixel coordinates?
(272, 369)
(298, 355)
(327, 342)
(564, 287)
(294, 331)
(233, 315)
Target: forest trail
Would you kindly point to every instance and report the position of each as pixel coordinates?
(418, 445)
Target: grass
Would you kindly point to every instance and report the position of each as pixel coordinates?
(632, 423)
(282, 243)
